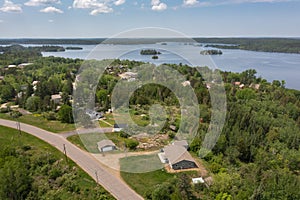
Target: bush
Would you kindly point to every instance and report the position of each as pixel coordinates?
(4, 110)
(65, 114)
(171, 134)
(50, 115)
(15, 114)
(131, 143)
(124, 134)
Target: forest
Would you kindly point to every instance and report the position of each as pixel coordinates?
(33, 170)
(256, 157)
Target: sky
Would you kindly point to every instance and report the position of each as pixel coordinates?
(104, 18)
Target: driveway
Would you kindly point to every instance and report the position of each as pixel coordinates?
(117, 187)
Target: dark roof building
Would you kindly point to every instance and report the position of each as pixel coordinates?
(179, 158)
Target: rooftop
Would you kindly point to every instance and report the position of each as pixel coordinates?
(104, 143)
(175, 153)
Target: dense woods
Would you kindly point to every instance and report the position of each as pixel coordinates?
(33, 170)
(256, 157)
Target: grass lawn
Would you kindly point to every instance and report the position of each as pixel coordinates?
(140, 164)
(89, 141)
(138, 119)
(75, 139)
(142, 182)
(104, 125)
(11, 137)
(38, 121)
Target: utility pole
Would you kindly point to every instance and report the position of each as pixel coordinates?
(15, 117)
(65, 152)
(97, 178)
(19, 126)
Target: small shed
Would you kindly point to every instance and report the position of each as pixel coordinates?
(172, 127)
(119, 127)
(106, 145)
(198, 180)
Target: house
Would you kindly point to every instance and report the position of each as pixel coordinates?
(182, 143)
(172, 127)
(22, 65)
(119, 127)
(186, 83)
(1, 78)
(106, 145)
(56, 98)
(34, 84)
(208, 85)
(254, 86)
(178, 157)
(94, 115)
(241, 86)
(237, 83)
(12, 66)
(128, 75)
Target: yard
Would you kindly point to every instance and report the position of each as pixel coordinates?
(141, 163)
(89, 141)
(39, 121)
(144, 182)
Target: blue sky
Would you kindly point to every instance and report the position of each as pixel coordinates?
(104, 18)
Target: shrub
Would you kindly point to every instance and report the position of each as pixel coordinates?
(131, 143)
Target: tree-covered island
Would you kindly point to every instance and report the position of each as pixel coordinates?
(149, 52)
(211, 52)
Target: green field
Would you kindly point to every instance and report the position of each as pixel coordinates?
(140, 164)
(88, 141)
(52, 176)
(39, 121)
(142, 182)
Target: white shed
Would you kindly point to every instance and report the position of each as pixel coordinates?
(106, 145)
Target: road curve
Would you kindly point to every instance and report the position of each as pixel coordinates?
(113, 184)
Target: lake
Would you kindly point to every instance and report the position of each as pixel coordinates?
(271, 66)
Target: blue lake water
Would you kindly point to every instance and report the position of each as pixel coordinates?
(271, 66)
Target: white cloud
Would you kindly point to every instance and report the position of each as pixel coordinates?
(158, 6)
(205, 3)
(97, 7)
(190, 2)
(9, 6)
(41, 2)
(119, 2)
(1, 21)
(101, 10)
(50, 20)
(51, 9)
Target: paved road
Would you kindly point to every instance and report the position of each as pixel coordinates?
(111, 183)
